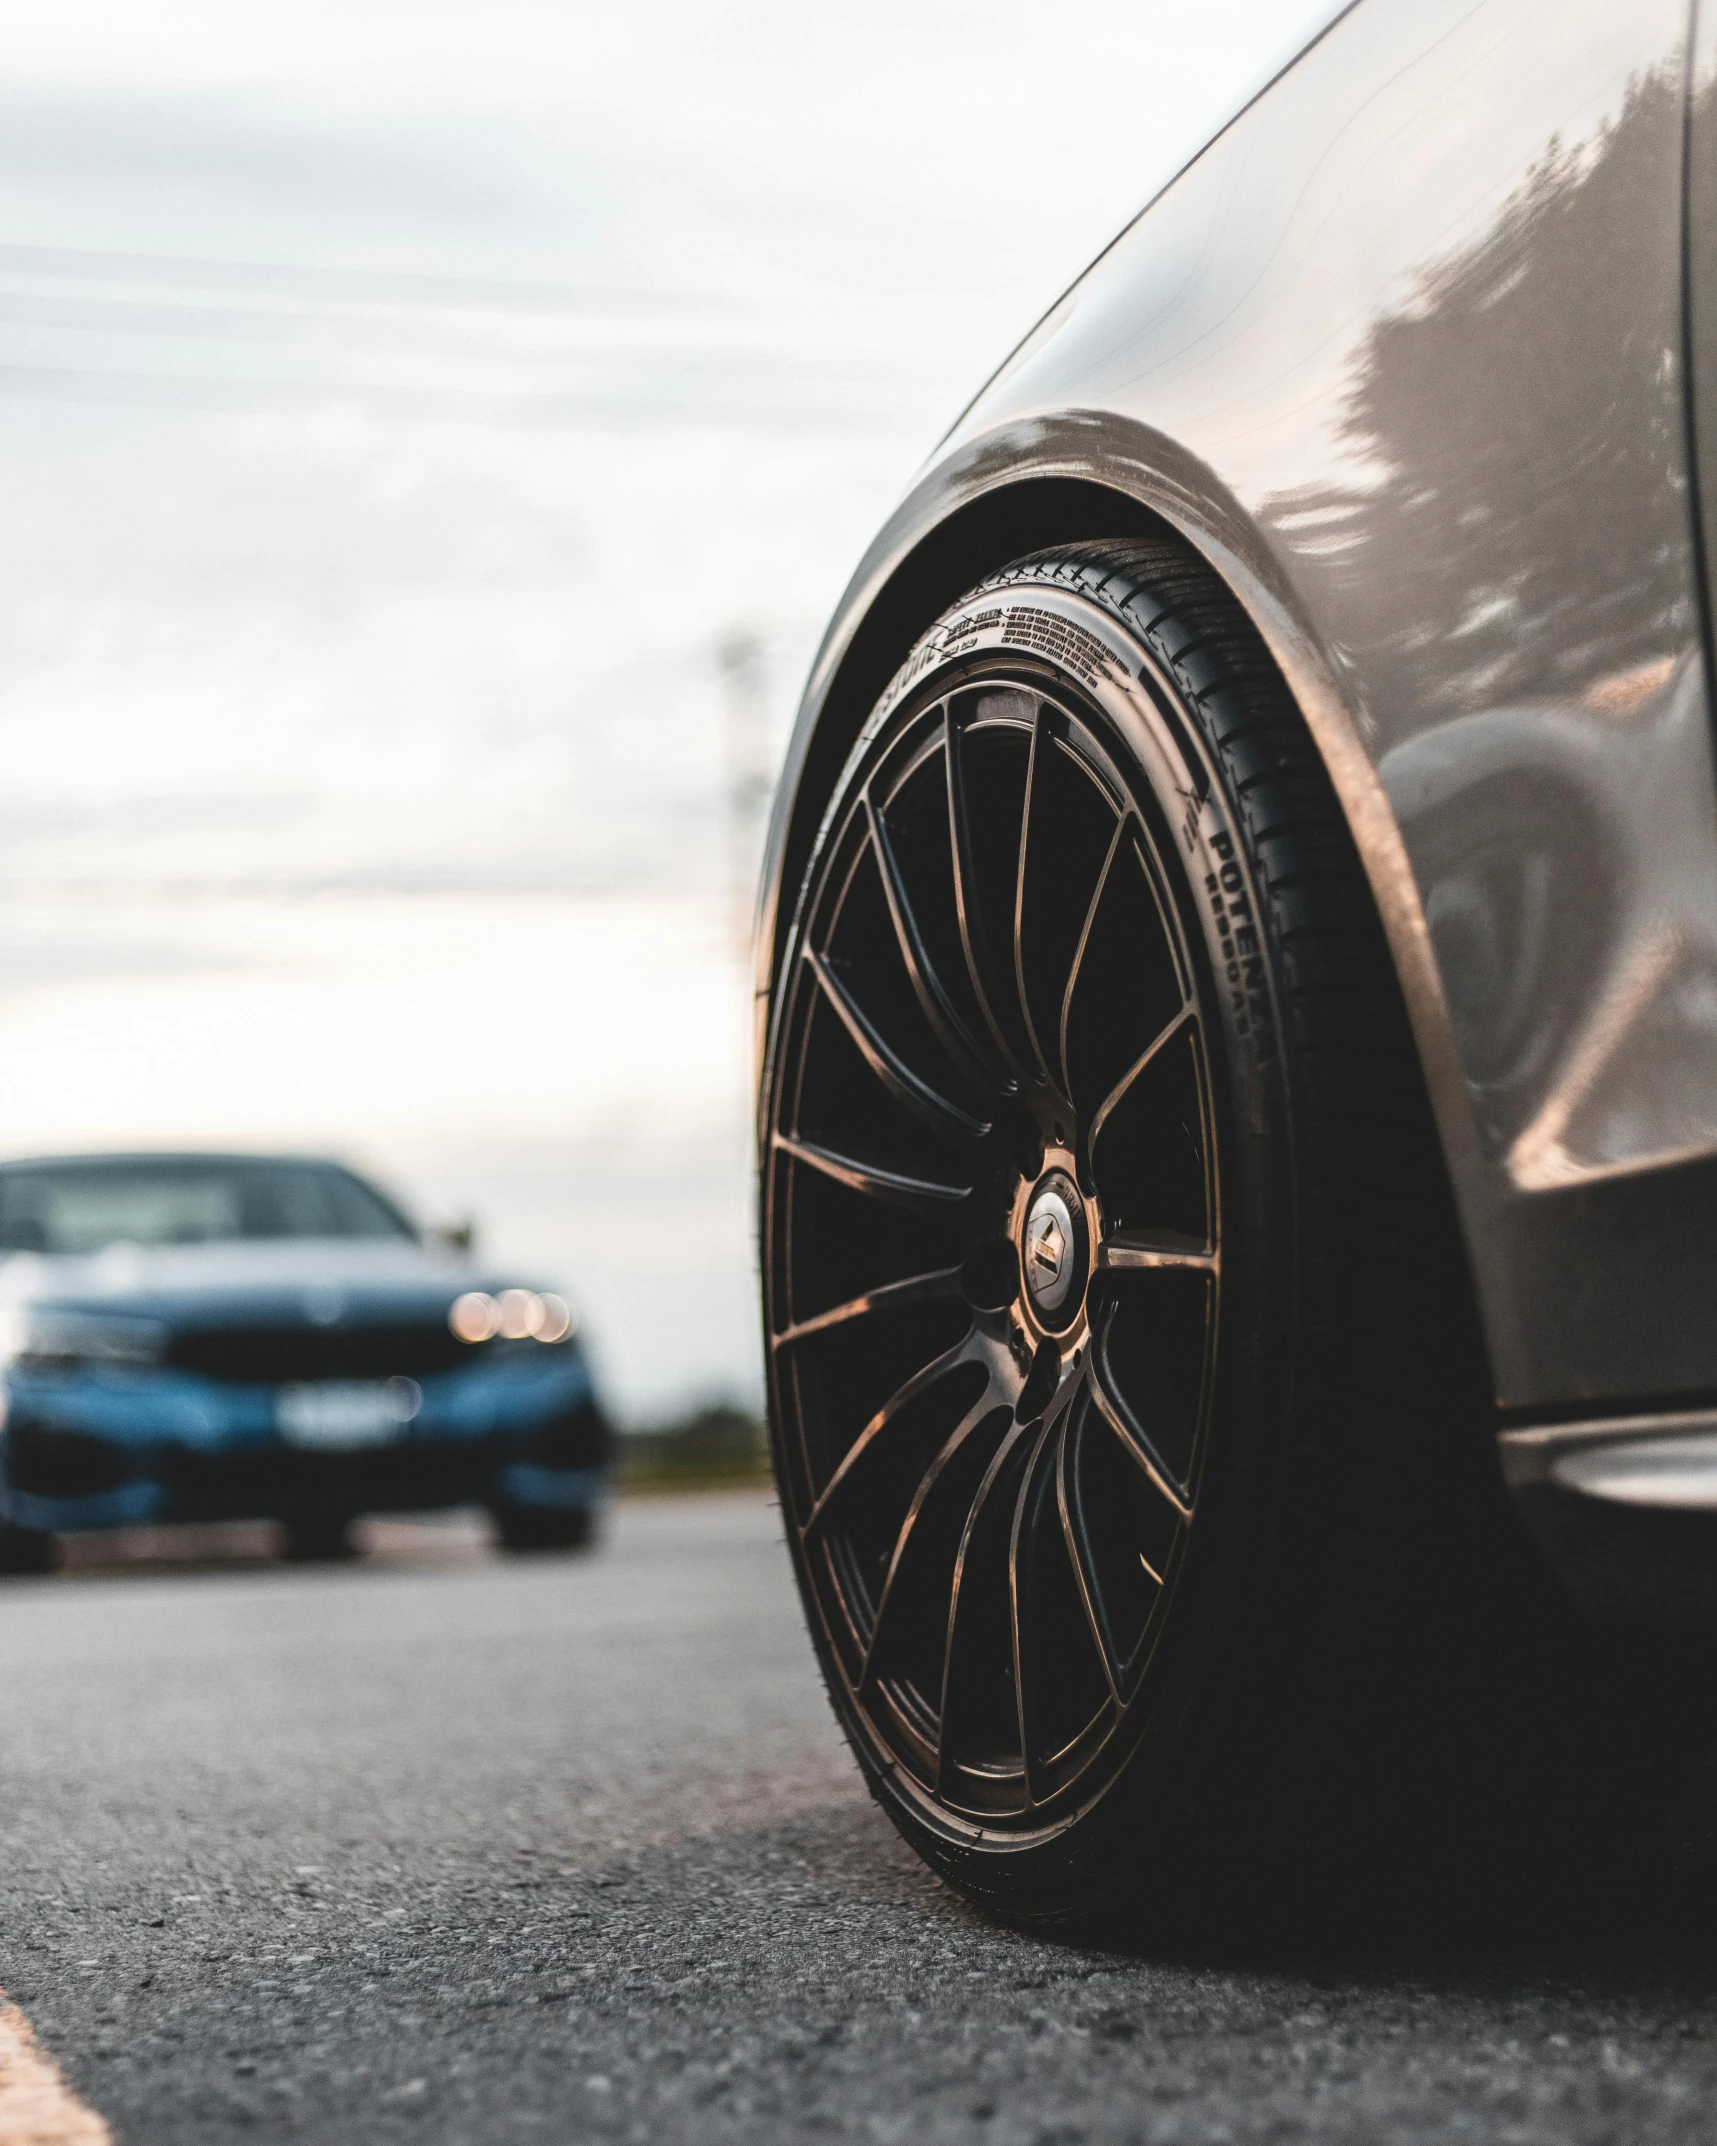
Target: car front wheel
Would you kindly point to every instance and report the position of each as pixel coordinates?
(1125, 1402)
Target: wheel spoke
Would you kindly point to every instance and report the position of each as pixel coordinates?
(969, 1349)
(914, 1094)
(1037, 1488)
(982, 1408)
(974, 936)
(1117, 1094)
(938, 1009)
(1115, 1412)
(915, 1289)
(1080, 1558)
(1132, 1251)
(1085, 931)
(1039, 747)
(922, 1195)
(960, 1600)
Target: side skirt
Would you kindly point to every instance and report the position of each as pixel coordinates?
(1625, 1509)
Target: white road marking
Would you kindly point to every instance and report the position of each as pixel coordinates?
(37, 2108)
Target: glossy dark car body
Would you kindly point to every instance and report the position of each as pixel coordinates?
(1416, 354)
(205, 1381)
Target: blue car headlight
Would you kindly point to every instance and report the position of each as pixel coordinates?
(515, 1315)
(43, 1335)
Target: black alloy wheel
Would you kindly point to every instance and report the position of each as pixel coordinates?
(1054, 1203)
(998, 1181)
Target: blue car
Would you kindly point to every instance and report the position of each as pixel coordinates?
(220, 1337)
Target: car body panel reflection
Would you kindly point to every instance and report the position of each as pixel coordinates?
(1336, 352)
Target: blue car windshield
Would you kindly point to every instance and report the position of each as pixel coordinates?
(81, 1207)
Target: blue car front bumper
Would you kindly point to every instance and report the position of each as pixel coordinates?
(88, 1448)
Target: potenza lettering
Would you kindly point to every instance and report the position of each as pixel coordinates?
(1243, 962)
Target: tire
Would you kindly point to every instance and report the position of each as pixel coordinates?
(1171, 1591)
(324, 1540)
(528, 1529)
(26, 1551)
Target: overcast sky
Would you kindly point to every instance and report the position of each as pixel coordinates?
(399, 405)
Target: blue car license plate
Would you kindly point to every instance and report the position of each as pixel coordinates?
(337, 1415)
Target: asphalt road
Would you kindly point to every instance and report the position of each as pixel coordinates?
(445, 1848)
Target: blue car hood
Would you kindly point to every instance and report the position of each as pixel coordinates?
(320, 1281)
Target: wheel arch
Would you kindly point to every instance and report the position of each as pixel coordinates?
(1044, 480)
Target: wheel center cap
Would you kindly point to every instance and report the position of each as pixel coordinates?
(1052, 1253)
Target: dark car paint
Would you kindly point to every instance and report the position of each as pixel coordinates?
(1403, 353)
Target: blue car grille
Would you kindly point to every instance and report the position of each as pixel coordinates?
(277, 1355)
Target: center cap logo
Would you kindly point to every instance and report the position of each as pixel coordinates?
(1049, 1250)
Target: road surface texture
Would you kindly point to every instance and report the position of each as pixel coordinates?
(441, 1848)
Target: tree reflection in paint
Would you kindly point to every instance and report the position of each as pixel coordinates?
(1517, 527)
(1509, 577)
